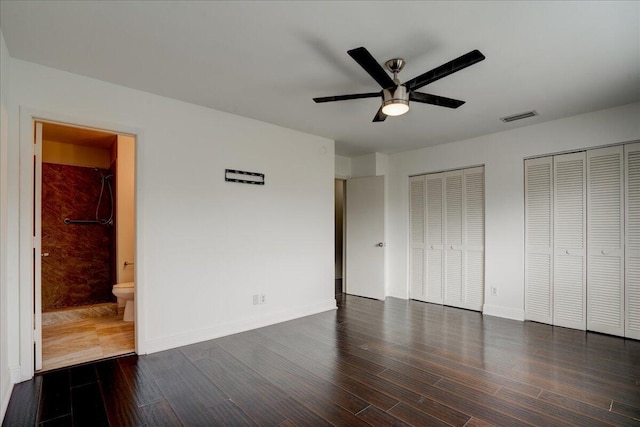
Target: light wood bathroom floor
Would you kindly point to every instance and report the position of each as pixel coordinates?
(67, 344)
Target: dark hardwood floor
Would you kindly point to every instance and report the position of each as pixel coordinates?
(371, 362)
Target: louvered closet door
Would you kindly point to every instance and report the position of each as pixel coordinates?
(569, 302)
(632, 235)
(538, 175)
(435, 238)
(417, 236)
(453, 185)
(605, 241)
(473, 239)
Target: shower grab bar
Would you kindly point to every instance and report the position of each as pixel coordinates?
(81, 221)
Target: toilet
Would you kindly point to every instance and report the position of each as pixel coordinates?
(124, 292)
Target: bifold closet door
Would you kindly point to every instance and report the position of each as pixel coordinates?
(632, 239)
(538, 175)
(569, 294)
(434, 238)
(473, 239)
(417, 236)
(605, 240)
(453, 238)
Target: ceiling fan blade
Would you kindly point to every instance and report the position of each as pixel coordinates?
(371, 66)
(347, 97)
(444, 70)
(380, 116)
(440, 101)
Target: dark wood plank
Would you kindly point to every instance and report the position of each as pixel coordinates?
(140, 380)
(377, 417)
(119, 400)
(55, 398)
(65, 421)
(22, 410)
(326, 372)
(416, 417)
(608, 416)
(159, 414)
(82, 375)
(251, 392)
(628, 410)
(88, 407)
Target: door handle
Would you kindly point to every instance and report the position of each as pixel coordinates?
(604, 252)
(44, 254)
(380, 245)
(567, 252)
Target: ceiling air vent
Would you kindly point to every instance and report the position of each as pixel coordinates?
(519, 116)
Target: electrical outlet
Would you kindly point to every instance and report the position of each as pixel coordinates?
(263, 299)
(494, 291)
(256, 299)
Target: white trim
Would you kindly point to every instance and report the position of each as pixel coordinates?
(26, 118)
(236, 327)
(4, 400)
(504, 312)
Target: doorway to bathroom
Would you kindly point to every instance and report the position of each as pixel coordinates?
(84, 244)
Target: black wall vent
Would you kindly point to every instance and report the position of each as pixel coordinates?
(519, 116)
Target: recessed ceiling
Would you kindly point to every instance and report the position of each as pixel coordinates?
(267, 60)
(77, 136)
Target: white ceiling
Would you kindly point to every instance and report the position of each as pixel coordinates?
(266, 60)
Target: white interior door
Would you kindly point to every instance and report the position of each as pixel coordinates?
(473, 239)
(37, 246)
(435, 238)
(605, 240)
(539, 239)
(453, 232)
(632, 237)
(569, 289)
(365, 235)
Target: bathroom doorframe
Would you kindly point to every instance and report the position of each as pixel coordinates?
(27, 260)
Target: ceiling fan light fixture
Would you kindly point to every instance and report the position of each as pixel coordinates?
(395, 101)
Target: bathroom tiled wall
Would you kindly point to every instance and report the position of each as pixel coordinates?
(77, 270)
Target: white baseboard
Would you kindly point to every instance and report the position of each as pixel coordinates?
(5, 395)
(15, 373)
(167, 343)
(505, 312)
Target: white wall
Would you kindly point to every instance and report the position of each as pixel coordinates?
(5, 378)
(204, 246)
(343, 167)
(502, 154)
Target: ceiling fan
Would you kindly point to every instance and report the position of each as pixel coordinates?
(396, 96)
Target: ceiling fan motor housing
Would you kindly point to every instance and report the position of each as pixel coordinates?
(395, 101)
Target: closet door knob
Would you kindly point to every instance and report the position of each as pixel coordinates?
(604, 252)
(567, 252)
